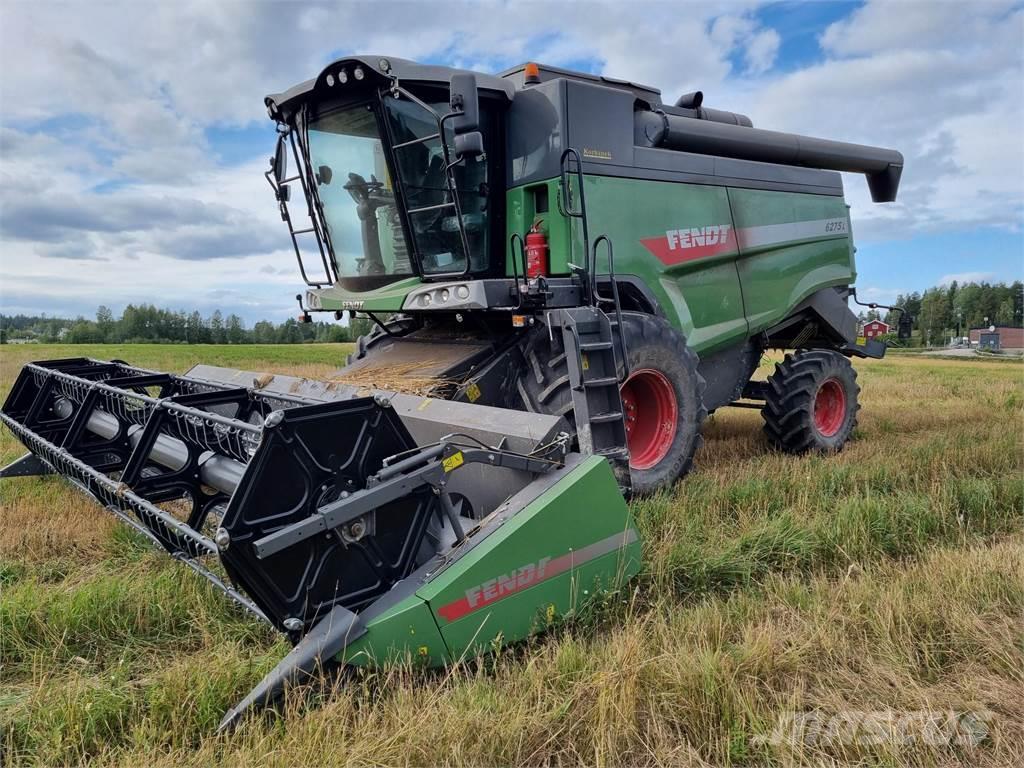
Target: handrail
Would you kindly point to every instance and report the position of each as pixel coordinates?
(615, 298)
(565, 208)
(309, 189)
(516, 237)
(314, 212)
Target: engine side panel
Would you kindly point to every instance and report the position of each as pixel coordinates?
(791, 245)
(679, 240)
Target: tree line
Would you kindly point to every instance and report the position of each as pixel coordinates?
(148, 324)
(946, 311)
(937, 315)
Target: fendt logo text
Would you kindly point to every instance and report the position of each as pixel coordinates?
(690, 243)
(504, 585)
(507, 583)
(697, 237)
(531, 574)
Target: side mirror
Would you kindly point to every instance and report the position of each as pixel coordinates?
(280, 159)
(904, 327)
(469, 145)
(465, 102)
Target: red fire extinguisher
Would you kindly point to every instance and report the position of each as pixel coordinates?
(536, 251)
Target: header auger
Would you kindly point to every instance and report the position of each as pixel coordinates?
(566, 275)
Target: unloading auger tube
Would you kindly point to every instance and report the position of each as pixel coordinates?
(314, 508)
(716, 136)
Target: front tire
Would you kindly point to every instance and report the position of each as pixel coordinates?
(811, 402)
(662, 397)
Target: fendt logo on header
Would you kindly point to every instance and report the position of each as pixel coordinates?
(687, 244)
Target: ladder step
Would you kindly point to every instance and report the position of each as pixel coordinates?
(595, 346)
(601, 418)
(612, 452)
(605, 381)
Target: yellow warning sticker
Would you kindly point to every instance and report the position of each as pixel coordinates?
(473, 392)
(586, 362)
(452, 462)
(424, 404)
(861, 341)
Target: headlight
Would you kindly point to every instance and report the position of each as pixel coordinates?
(462, 292)
(342, 76)
(358, 72)
(445, 294)
(330, 80)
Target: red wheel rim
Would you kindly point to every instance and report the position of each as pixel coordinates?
(651, 414)
(829, 407)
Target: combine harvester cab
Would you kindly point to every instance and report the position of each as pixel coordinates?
(362, 527)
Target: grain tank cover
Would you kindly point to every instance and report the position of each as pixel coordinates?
(647, 97)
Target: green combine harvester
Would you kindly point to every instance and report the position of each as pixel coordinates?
(566, 275)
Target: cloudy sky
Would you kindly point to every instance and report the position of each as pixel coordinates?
(133, 136)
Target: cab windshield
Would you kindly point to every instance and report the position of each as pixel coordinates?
(359, 207)
(362, 213)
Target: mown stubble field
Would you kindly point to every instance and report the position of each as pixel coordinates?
(888, 579)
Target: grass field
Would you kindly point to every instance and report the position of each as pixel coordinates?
(888, 579)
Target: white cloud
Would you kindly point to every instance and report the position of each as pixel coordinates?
(877, 295)
(761, 51)
(886, 26)
(758, 46)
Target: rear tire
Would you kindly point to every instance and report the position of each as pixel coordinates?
(662, 368)
(811, 402)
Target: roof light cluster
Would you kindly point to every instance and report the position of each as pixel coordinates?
(342, 76)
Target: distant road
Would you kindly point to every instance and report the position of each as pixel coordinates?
(967, 352)
(951, 352)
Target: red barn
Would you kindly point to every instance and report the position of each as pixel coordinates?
(875, 328)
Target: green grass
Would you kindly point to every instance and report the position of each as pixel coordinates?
(889, 577)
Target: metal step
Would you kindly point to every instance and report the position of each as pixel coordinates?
(594, 380)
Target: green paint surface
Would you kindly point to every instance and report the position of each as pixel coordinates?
(388, 298)
(776, 278)
(702, 298)
(584, 507)
(406, 631)
(581, 509)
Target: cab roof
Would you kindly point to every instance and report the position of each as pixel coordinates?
(381, 68)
